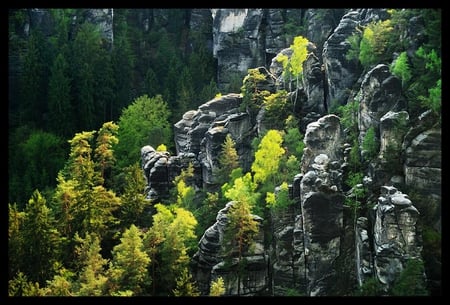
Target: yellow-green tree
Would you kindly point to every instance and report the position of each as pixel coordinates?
(169, 242)
(267, 157)
(217, 287)
(128, 270)
(374, 42)
(104, 151)
(185, 285)
(228, 159)
(134, 203)
(293, 66)
(41, 240)
(92, 278)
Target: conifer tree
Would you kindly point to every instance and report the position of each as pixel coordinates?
(92, 278)
(41, 241)
(128, 268)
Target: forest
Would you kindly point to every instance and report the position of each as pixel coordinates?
(83, 102)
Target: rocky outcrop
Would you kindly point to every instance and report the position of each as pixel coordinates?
(248, 38)
(209, 261)
(341, 73)
(395, 235)
(380, 92)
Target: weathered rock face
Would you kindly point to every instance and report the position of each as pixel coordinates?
(248, 38)
(380, 92)
(395, 236)
(308, 248)
(160, 170)
(322, 137)
(318, 240)
(202, 132)
(322, 203)
(209, 262)
(341, 73)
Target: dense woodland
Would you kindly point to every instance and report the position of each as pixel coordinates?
(80, 109)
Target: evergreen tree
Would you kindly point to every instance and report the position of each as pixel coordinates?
(228, 160)
(15, 240)
(61, 118)
(123, 63)
(34, 81)
(104, 152)
(85, 50)
(128, 267)
(41, 241)
(239, 235)
(43, 153)
(185, 286)
(169, 242)
(134, 204)
(92, 278)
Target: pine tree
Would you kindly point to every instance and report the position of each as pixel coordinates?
(185, 286)
(61, 117)
(228, 160)
(128, 267)
(41, 241)
(134, 204)
(169, 242)
(92, 279)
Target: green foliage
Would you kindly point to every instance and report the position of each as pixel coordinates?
(293, 66)
(144, 122)
(267, 158)
(104, 150)
(15, 240)
(86, 49)
(411, 281)
(252, 95)
(370, 145)
(279, 200)
(33, 81)
(161, 147)
(228, 160)
(185, 285)
(184, 192)
(207, 212)
(43, 153)
(20, 286)
(61, 284)
(358, 192)
(400, 68)
(370, 287)
(217, 287)
(277, 110)
(354, 41)
(61, 119)
(133, 209)
(374, 43)
(168, 243)
(92, 278)
(244, 189)
(299, 54)
(434, 99)
(83, 202)
(128, 267)
(293, 141)
(239, 234)
(41, 241)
